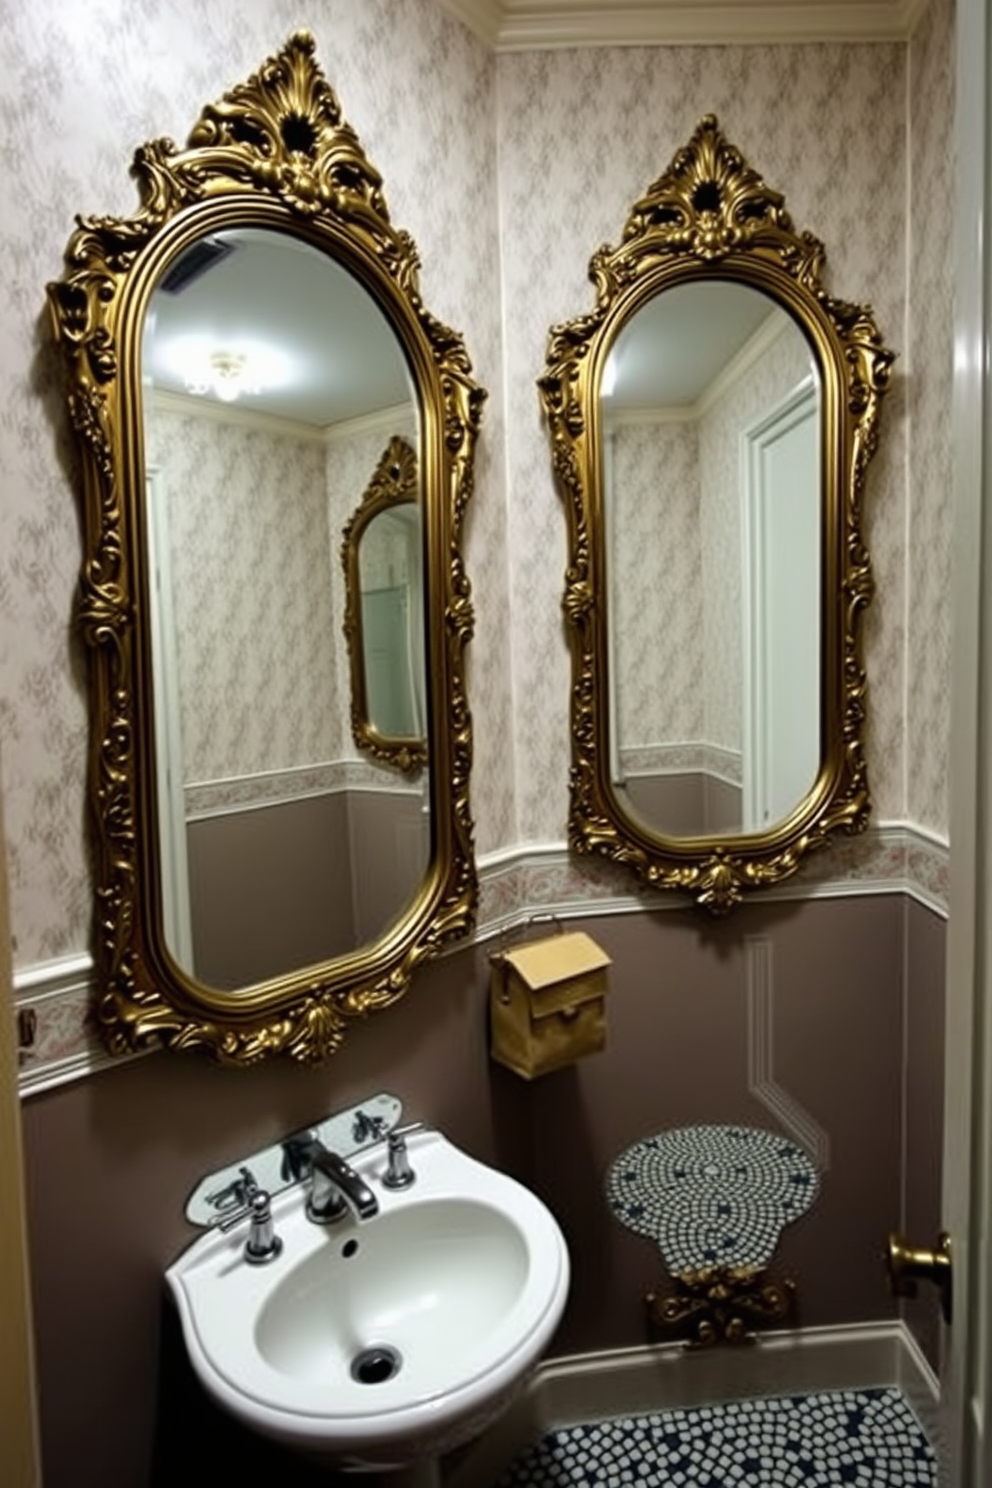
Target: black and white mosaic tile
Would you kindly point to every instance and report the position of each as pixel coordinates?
(868, 1438)
(712, 1195)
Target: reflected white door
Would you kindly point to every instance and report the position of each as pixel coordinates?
(781, 551)
(168, 732)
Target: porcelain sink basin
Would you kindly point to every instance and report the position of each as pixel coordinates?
(372, 1342)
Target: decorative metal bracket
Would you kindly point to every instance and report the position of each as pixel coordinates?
(720, 1304)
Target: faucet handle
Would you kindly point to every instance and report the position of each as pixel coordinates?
(399, 1173)
(262, 1244)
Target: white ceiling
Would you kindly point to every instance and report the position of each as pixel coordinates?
(340, 358)
(521, 25)
(672, 351)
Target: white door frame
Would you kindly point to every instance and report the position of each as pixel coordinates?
(20, 1457)
(171, 802)
(965, 1444)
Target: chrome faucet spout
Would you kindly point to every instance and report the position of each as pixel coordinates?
(335, 1187)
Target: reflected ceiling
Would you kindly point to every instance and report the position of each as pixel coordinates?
(672, 351)
(335, 354)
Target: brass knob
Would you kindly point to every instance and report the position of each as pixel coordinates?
(908, 1264)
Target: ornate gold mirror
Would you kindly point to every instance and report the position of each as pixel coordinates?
(239, 354)
(383, 574)
(711, 423)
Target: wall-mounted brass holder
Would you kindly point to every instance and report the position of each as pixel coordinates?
(547, 1003)
(720, 1304)
(908, 1264)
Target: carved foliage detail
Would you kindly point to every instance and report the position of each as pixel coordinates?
(721, 1304)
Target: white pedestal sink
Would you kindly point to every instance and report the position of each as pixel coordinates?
(383, 1341)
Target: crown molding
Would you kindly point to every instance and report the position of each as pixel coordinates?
(212, 410)
(535, 25)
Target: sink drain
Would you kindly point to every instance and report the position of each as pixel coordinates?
(373, 1366)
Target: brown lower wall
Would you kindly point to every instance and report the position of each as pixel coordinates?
(110, 1160)
(293, 883)
(685, 803)
(269, 889)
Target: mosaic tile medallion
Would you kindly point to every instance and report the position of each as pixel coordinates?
(712, 1195)
(869, 1438)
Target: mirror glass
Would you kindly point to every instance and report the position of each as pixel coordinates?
(392, 641)
(710, 410)
(381, 557)
(272, 381)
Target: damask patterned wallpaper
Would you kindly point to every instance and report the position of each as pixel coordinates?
(257, 651)
(657, 637)
(508, 173)
(928, 367)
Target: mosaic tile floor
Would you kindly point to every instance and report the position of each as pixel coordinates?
(869, 1438)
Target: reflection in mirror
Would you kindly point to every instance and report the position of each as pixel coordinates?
(381, 552)
(712, 420)
(269, 372)
(239, 352)
(710, 413)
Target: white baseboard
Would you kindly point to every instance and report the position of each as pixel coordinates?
(637, 1381)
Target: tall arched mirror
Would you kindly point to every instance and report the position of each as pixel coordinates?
(711, 423)
(240, 353)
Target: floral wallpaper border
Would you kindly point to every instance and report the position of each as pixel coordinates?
(273, 786)
(525, 883)
(711, 759)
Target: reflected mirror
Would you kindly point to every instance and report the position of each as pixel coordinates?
(382, 560)
(240, 354)
(711, 424)
(710, 411)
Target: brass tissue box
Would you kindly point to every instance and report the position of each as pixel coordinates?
(547, 1003)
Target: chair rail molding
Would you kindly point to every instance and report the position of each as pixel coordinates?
(517, 884)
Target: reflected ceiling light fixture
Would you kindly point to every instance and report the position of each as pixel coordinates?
(206, 368)
(227, 375)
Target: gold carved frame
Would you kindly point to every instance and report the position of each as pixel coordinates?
(274, 152)
(394, 483)
(711, 216)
